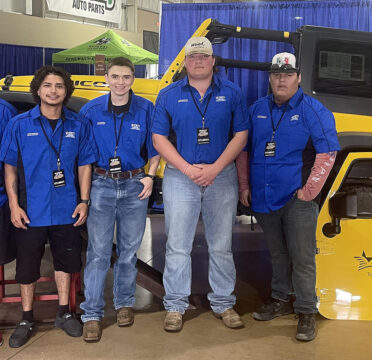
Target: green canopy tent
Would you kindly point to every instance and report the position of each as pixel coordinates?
(109, 44)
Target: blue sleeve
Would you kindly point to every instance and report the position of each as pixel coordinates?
(151, 152)
(321, 124)
(83, 111)
(9, 143)
(88, 153)
(249, 120)
(160, 122)
(240, 112)
(6, 113)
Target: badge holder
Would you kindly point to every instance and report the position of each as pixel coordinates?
(59, 179)
(270, 149)
(203, 136)
(115, 165)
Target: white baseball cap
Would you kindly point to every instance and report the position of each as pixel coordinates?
(198, 45)
(283, 62)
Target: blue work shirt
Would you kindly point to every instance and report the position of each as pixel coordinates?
(306, 129)
(135, 143)
(7, 111)
(176, 111)
(26, 147)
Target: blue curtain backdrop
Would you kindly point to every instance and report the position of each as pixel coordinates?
(179, 21)
(19, 60)
(25, 60)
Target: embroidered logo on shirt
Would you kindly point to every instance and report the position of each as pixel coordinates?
(261, 116)
(220, 98)
(101, 123)
(295, 117)
(32, 134)
(135, 127)
(70, 134)
(183, 100)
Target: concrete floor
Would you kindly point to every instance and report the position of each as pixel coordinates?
(203, 336)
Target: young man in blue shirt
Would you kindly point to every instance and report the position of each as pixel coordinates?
(291, 148)
(120, 193)
(48, 152)
(204, 115)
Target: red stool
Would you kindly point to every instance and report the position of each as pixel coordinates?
(75, 287)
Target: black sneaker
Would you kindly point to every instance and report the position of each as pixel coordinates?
(69, 324)
(21, 334)
(273, 309)
(306, 327)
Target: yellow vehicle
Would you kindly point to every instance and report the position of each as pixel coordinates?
(336, 68)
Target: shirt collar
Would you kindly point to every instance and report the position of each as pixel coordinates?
(295, 98)
(35, 112)
(216, 81)
(292, 101)
(131, 106)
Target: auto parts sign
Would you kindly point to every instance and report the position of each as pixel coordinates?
(104, 10)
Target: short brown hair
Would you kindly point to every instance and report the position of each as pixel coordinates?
(120, 61)
(42, 73)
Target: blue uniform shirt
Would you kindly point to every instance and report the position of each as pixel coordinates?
(7, 111)
(135, 143)
(226, 113)
(307, 128)
(26, 147)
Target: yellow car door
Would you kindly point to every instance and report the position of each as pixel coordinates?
(344, 242)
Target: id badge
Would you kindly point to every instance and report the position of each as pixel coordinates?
(270, 149)
(59, 179)
(203, 136)
(115, 165)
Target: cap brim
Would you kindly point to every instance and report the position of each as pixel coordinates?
(283, 70)
(198, 52)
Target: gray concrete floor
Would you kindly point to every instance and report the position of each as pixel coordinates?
(203, 336)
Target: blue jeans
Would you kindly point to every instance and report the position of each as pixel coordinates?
(183, 202)
(113, 200)
(290, 235)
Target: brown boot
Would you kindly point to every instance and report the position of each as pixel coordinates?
(125, 316)
(92, 331)
(230, 318)
(173, 321)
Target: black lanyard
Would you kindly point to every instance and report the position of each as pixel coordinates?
(117, 136)
(58, 153)
(196, 105)
(272, 121)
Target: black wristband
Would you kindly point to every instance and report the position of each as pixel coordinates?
(150, 176)
(85, 202)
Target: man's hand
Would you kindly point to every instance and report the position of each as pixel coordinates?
(245, 197)
(81, 210)
(147, 188)
(19, 217)
(207, 174)
(193, 172)
(301, 196)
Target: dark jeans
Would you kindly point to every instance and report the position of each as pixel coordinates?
(290, 234)
(7, 245)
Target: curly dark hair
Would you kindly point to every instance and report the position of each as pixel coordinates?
(44, 71)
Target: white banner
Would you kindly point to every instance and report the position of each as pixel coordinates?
(104, 10)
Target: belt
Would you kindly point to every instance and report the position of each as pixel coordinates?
(121, 175)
